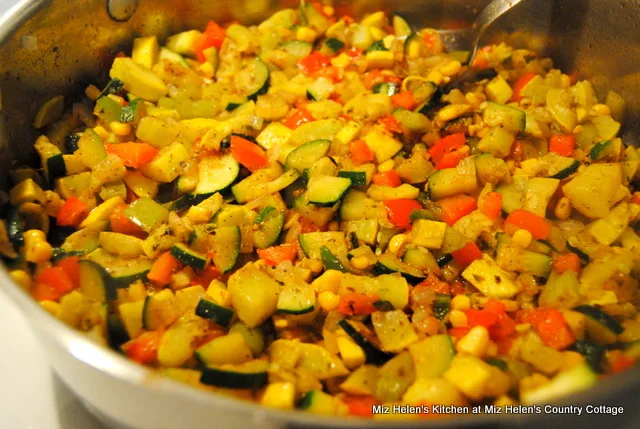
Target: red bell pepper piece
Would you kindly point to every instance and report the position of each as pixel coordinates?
(563, 145)
(276, 254)
(453, 208)
(248, 154)
(550, 325)
(314, 62)
(144, 348)
(162, 269)
(71, 268)
(299, 117)
(51, 284)
(133, 154)
(72, 212)
(491, 204)
(353, 304)
(213, 36)
(568, 262)
(520, 84)
(360, 152)
(436, 284)
(404, 99)
(398, 211)
(469, 253)
(536, 225)
(446, 145)
(387, 178)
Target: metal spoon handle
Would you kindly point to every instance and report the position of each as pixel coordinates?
(489, 14)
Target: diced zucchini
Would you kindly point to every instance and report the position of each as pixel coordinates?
(497, 141)
(157, 132)
(91, 149)
(432, 356)
(123, 245)
(428, 233)
(561, 291)
(53, 165)
(358, 178)
(394, 330)
(131, 315)
(394, 377)
(216, 174)
(384, 193)
(147, 214)
(389, 264)
(184, 43)
(607, 230)
(490, 169)
(318, 402)
(367, 340)
(228, 349)
(49, 112)
(94, 282)
(251, 375)
(296, 299)
(253, 79)
(507, 117)
(312, 242)
(167, 165)
(601, 327)
(160, 310)
(298, 48)
(538, 194)
(564, 384)
(498, 90)
(178, 342)
(559, 104)
(452, 181)
(327, 190)
(226, 242)
(306, 155)
(320, 89)
(189, 257)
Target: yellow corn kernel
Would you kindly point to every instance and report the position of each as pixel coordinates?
(199, 215)
(306, 34)
(92, 92)
(329, 281)
(475, 342)
(360, 263)
(563, 209)
(461, 303)
(600, 110)
(102, 132)
(386, 166)
(522, 238)
(435, 76)
(396, 243)
(458, 319)
(451, 68)
(328, 300)
(37, 249)
(328, 10)
(452, 111)
(341, 60)
(22, 278)
(120, 129)
(51, 306)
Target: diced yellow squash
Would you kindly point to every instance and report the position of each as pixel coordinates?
(362, 381)
(254, 295)
(351, 353)
(26, 191)
(228, 349)
(102, 212)
(490, 279)
(470, 375)
(275, 134)
(177, 344)
(145, 51)
(131, 315)
(428, 233)
(126, 246)
(138, 80)
(433, 391)
(184, 43)
(394, 330)
(141, 185)
(157, 132)
(498, 90)
(595, 189)
(281, 394)
(607, 230)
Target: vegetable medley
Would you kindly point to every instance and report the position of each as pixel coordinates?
(311, 213)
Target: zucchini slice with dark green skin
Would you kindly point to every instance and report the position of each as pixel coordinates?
(567, 171)
(132, 112)
(444, 259)
(114, 86)
(498, 363)
(269, 230)
(215, 175)
(601, 327)
(14, 227)
(458, 125)
(358, 178)
(71, 143)
(330, 262)
(299, 49)
(296, 300)
(593, 353)
(208, 309)
(327, 190)
(116, 333)
(389, 264)
(226, 247)
(255, 78)
(388, 88)
(94, 282)
(188, 256)
(334, 44)
(244, 377)
(306, 155)
(377, 46)
(53, 165)
(441, 305)
(600, 150)
(373, 354)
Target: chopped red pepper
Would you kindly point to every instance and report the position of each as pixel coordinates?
(307, 225)
(460, 332)
(314, 62)
(622, 363)
(72, 212)
(404, 99)
(248, 154)
(71, 268)
(536, 225)
(448, 144)
(301, 116)
(635, 199)
(436, 284)
(360, 152)
(213, 36)
(121, 223)
(491, 204)
(133, 154)
(162, 269)
(454, 208)
(398, 211)
(568, 262)
(361, 406)
(144, 348)
(469, 253)
(277, 254)
(563, 145)
(550, 325)
(387, 178)
(353, 304)
(53, 282)
(520, 84)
